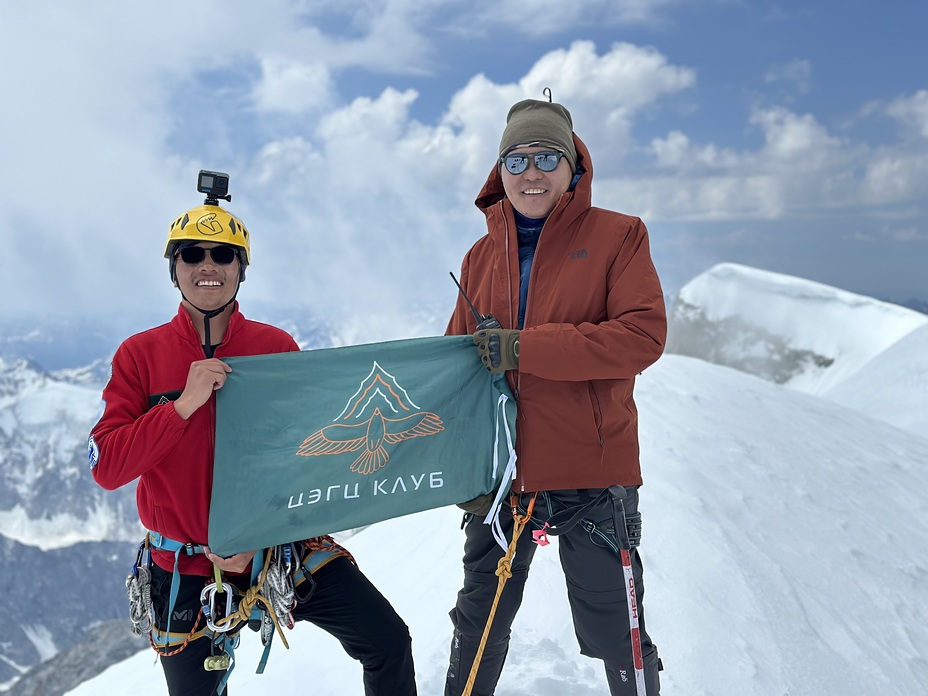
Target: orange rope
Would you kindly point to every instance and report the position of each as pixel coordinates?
(251, 597)
(503, 572)
(166, 651)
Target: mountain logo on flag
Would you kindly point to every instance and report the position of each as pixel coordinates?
(363, 426)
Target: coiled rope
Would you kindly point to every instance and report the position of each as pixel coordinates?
(278, 588)
(138, 589)
(248, 601)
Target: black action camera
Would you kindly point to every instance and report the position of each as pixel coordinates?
(215, 185)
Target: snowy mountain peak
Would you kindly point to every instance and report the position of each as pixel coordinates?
(18, 377)
(787, 330)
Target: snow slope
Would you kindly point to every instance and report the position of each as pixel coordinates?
(784, 541)
(893, 386)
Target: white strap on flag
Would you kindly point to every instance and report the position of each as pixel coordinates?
(509, 474)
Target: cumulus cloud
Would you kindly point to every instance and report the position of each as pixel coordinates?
(109, 113)
(350, 198)
(895, 174)
(292, 87)
(795, 140)
(912, 111)
(392, 198)
(799, 165)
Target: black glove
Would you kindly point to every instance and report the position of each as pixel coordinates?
(498, 348)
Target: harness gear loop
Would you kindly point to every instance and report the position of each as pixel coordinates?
(249, 600)
(194, 634)
(503, 572)
(269, 600)
(138, 591)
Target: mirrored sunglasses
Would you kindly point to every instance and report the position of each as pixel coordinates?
(223, 255)
(546, 161)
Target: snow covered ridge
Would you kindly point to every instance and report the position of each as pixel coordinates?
(18, 376)
(47, 497)
(783, 541)
(893, 386)
(787, 330)
(812, 515)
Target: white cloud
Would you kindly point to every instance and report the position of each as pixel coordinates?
(550, 16)
(796, 140)
(108, 117)
(799, 165)
(392, 198)
(292, 87)
(912, 111)
(609, 90)
(896, 174)
(109, 114)
(678, 153)
(797, 72)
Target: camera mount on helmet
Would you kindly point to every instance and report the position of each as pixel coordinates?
(215, 185)
(209, 223)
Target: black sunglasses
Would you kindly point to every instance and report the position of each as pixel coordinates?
(223, 255)
(546, 161)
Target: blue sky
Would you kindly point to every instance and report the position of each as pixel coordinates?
(789, 136)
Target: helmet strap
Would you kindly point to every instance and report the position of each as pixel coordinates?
(207, 315)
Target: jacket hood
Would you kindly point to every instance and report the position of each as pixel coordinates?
(493, 192)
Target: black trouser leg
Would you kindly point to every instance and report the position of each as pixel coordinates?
(349, 607)
(595, 587)
(622, 682)
(470, 614)
(598, 596)
(185, 674)
(344, 603)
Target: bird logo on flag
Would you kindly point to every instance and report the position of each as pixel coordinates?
(372, 435)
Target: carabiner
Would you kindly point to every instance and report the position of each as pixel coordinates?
(208, 599)
(143, 558)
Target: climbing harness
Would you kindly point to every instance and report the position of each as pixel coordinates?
(625, 536)
(281, 578)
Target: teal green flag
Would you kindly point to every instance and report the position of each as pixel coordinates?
(321, 441)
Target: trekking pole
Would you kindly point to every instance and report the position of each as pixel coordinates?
(562, 522)
(625, 553)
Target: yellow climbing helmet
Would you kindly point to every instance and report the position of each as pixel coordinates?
(209, 223)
